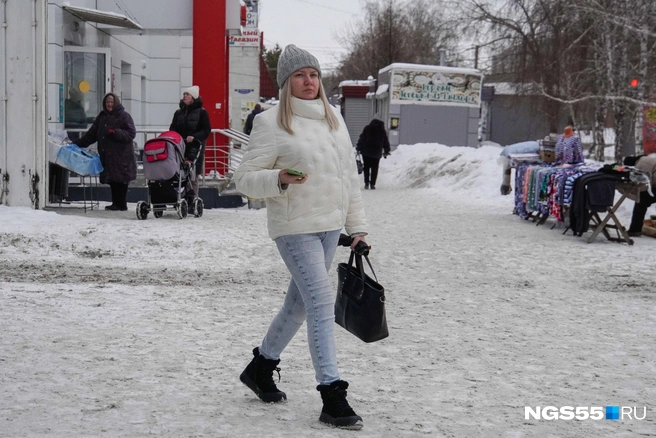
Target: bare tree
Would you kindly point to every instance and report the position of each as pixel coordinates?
(623, 29)
(411, 31)
(579, 54)
(538, 43)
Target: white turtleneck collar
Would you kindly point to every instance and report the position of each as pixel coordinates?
(309, 109)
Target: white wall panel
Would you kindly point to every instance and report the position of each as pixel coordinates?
(160, 114)
(164, 46)
(164, 69)
(23, 143)
(55, 63)
(55, 24)
(186, 57)
(133, 43)
(186, 77)
(164, 92)
(152, 14)
(244, 76)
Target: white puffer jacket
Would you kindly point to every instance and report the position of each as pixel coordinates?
(329, 199)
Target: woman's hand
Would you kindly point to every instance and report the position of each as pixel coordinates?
(286, 178)
(189, 138)
(357, 239)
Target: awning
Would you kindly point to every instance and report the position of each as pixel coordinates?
(103, 17)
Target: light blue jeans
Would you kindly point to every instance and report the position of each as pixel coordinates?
(310, 298)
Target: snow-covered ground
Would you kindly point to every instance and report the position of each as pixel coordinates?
(110, 326)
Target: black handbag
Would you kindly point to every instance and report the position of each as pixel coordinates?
(358, 161)
(360, 303)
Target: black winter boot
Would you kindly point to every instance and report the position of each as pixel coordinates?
(336, 410)
(122, 191)
(113, 206)
(258, 376)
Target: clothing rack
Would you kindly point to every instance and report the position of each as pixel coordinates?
(546, 190)
(604, 225)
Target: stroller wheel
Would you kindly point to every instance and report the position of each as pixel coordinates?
(198, 207)
(142, 210)
(158, 214)
(182, 209)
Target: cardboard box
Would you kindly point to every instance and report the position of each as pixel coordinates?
(547, 156)
(547, 150)
(649, 228)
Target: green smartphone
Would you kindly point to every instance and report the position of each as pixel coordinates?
(295, 172)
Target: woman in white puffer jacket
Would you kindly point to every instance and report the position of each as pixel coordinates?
(306, 214)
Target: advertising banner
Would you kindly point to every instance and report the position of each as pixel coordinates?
(435, 87)
(251, 14)
(248, 38)
(649, 130)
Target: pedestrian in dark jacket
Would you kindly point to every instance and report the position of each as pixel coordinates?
(646, 164)
(114, 131)
(248, 127)
(373, 144)
(192, 122)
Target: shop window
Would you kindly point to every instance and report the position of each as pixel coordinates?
(86, 81)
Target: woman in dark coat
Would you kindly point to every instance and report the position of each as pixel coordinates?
(192, 122)
(114, 131)
(373, 144)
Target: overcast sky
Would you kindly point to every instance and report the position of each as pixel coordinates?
(310, 24)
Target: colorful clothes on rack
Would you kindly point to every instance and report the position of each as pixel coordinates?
(545, 189)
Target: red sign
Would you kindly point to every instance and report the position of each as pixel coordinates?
(649, 130)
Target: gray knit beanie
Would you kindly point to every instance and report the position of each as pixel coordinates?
(292, 59)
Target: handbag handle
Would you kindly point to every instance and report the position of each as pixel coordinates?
(360, 266)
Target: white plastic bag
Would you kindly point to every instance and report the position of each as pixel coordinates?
(56, 140)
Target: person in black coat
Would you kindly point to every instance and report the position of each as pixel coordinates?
(248, 127)
(647, 165)
(114, 131)
(192, 122)
(373, 144)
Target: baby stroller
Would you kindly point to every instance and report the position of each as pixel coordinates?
(169, 178)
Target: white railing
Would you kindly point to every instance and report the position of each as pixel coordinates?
(225, 152)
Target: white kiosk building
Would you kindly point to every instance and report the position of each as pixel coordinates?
(430, 104)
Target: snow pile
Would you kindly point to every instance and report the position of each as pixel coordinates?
(458, 174)
(452, 171)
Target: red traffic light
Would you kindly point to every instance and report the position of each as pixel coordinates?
(634, 82)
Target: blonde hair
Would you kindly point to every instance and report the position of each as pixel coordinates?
(286, 112)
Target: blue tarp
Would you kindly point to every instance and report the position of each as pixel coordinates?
(78, 160)
(525, 147)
